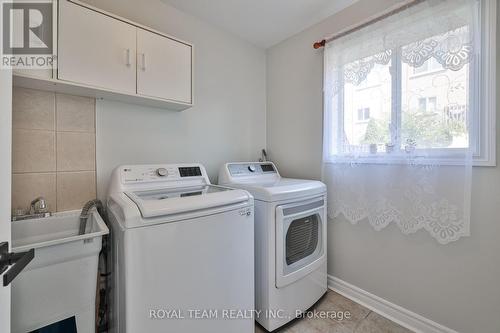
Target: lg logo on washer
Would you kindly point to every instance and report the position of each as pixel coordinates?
(27, 35)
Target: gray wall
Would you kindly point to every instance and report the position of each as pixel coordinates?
(227, 122)
(456, 285)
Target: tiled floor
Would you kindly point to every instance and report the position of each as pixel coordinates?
(362, 319)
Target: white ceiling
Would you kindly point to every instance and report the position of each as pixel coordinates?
(262, 22)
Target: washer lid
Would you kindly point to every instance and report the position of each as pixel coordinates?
(163, 202)
(282, 188)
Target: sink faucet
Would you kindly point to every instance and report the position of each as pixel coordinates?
(38, 208)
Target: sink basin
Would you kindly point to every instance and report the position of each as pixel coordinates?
(57, 229)
(60, 282)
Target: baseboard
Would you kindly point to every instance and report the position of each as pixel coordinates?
(396, 313)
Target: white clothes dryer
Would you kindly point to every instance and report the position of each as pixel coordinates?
(290, 240)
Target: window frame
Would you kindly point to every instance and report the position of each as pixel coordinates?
(363, 118)
(482, 131)
(425, 72)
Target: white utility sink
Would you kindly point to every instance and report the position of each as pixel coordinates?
(60, 282)
(57, 229)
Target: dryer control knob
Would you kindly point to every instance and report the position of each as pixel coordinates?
(162, 172)
(251, 168)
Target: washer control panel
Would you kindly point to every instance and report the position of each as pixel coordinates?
(143, 177)
(151, 173)
(189, 171)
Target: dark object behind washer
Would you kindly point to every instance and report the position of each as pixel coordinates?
(67, 325)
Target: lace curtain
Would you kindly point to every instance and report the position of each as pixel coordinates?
(400, 120)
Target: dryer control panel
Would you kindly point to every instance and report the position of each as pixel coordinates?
(250, 168)
(248, 171)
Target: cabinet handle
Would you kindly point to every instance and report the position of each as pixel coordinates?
(128, 63)
(143, 58)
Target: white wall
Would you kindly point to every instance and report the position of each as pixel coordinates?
(456, 285)
(227, 122)
(5, 183)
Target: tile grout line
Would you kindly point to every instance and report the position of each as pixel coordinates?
(49, 172)
(57, 143)
(361, 320)
(32, 129)
(95, 148)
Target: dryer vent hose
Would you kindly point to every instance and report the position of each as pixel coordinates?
(264, 156)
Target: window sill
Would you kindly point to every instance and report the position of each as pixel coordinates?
(397, 159)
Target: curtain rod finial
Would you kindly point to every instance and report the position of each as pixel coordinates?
(319, 44)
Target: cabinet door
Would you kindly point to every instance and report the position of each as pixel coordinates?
(95, 49)
(164, 67)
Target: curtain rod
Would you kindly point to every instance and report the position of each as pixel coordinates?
(391, 12)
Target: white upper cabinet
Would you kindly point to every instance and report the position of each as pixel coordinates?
(95, 49)
(164, 67)
(103, 55)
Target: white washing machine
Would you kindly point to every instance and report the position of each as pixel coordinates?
(290, 240)
(183, 251)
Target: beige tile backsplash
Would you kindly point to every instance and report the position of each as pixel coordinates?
(53, 149)
(33, 151)
(27, 186)
(33, 109)
(75, 151)
(75, 113)
(67, 182)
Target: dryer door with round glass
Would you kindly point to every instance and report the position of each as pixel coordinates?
(300, 239)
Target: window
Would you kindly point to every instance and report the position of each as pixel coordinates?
(363, 114)
(423, 95)
(422, 104)
(427, 104)
(429, 66)
(432, 104)
(397, 103)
